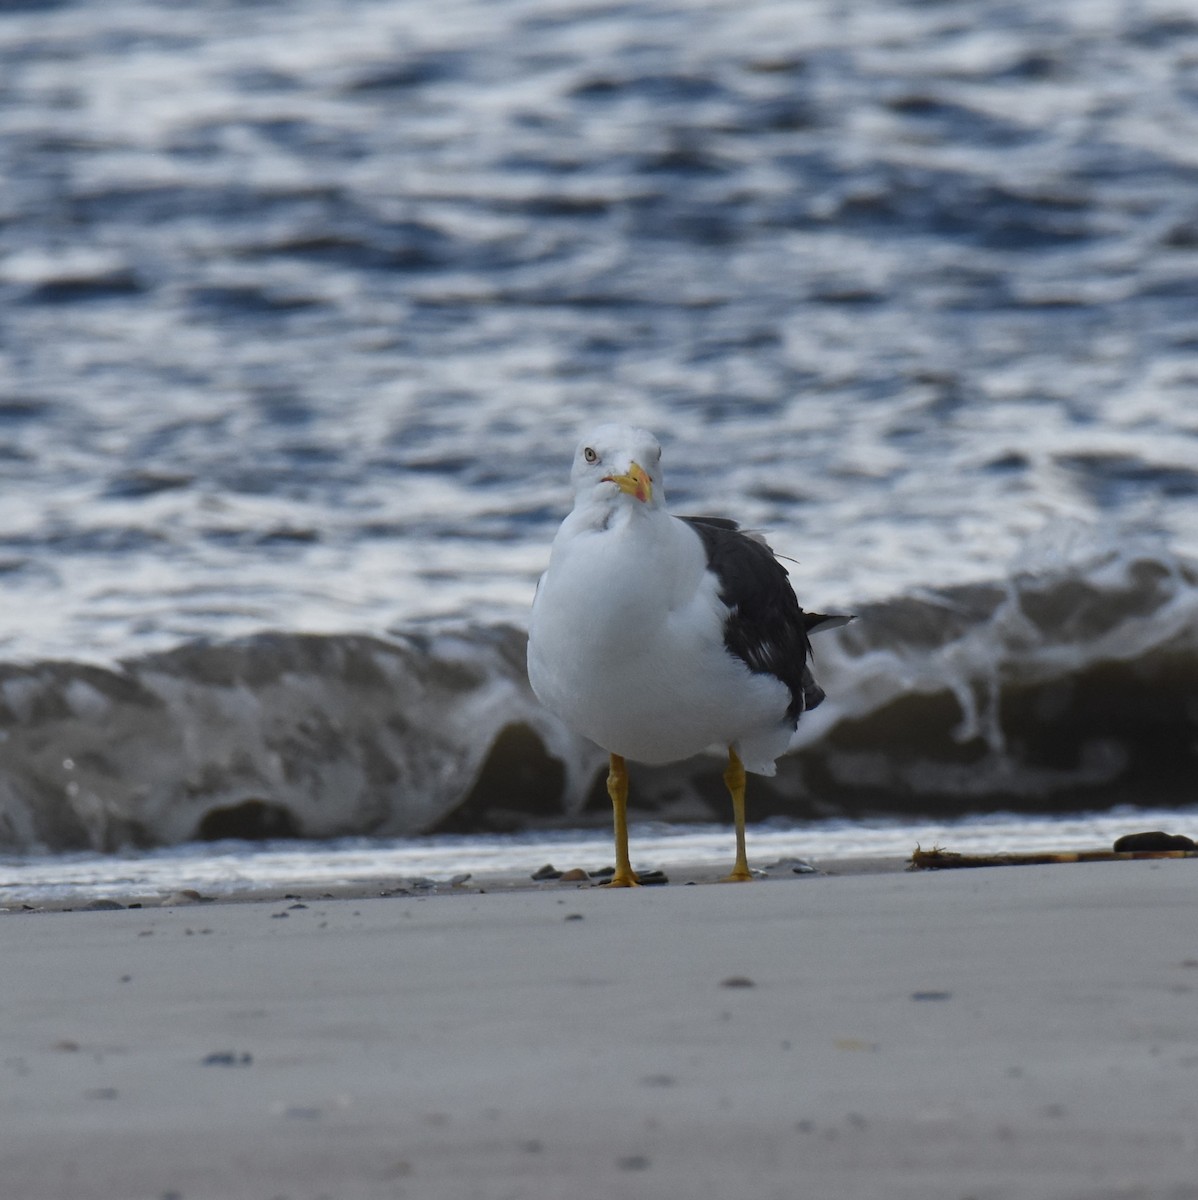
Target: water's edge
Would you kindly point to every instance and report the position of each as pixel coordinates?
(1056, 693)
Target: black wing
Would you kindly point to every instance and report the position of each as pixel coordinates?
(766, 628)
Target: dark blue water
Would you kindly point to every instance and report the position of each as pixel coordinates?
(303, 306)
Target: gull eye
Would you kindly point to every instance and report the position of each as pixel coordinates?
(590, 455)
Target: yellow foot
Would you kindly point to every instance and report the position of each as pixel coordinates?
(622, 879)
(738, 875)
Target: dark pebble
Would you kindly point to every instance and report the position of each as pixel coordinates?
(737, 981)
(931, 995)
(1155, 839)
(573, 917)
(548, 871)
(653, 878)
(227, 1058)
(102, 906)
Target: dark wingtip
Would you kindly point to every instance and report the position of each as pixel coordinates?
(825, 621)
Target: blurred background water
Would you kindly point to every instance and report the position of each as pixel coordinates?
(304, 305)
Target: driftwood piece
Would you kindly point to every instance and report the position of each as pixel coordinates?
(938, 859)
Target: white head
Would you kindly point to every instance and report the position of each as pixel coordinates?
(616, 463)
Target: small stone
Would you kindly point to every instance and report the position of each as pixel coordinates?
(798, 865)
(227, 1058)
(458, 880)
(277, 916)
(652, 878)
(574, 875)
(737, 981)
(573, 917)
(295, 906)
(548, 871)
(102, 906)
(1153, 840)
(931, 995)
(602, 873)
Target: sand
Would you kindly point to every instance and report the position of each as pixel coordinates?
(1017, 1032)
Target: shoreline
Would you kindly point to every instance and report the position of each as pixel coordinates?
(571, 879)
(1008, 1034)
(482, 883)
(350, 867)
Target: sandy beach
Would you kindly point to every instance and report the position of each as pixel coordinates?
(1015, 1032)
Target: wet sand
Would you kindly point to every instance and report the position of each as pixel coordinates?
(1017, 1032)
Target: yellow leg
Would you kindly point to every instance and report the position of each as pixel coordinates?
(617, 789)
(734, 779)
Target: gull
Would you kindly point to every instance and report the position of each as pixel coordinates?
(658, 636)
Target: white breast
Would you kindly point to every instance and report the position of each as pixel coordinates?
(626, 646)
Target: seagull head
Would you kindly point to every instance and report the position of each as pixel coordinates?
(614, 461)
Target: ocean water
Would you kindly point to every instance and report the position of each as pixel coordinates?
(304, 305)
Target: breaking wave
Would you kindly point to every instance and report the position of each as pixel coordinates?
(1049, 691)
